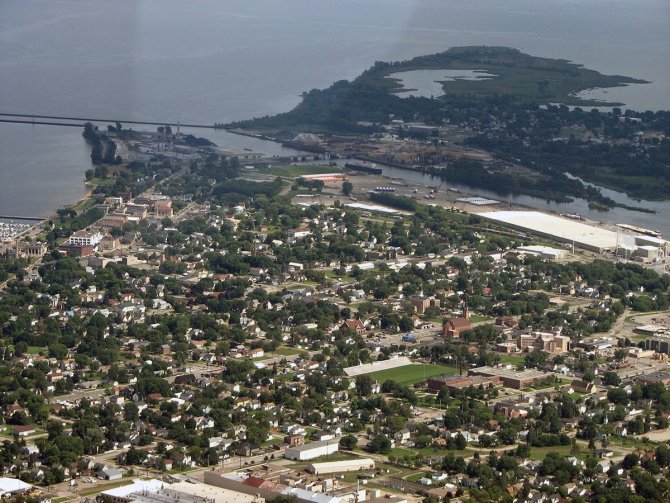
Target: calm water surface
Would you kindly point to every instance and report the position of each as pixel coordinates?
(212, 61)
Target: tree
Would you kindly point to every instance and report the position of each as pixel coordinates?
(611, 379)
(380, 444)
(629, 461)
(364, 385)
(459, 442)
(507, 436)
(663, 455)
(130, 411)
(57, 350)
(20, 348)
(135, 456)
(347, 187)
(348, 442)
(618, 396)
(54, 429)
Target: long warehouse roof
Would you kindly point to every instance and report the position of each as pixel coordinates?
(562, 229)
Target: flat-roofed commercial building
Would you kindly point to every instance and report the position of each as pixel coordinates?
(454, 383)
(511, 378)
(560, 229)
(311, 451)
(349, 465)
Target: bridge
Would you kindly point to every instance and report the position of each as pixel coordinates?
(20, 217)
(50, 120)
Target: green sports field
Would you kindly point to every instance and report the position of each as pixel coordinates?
(412, 374)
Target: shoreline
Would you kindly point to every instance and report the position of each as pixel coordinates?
(559, 209)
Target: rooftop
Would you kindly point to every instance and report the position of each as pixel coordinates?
(312, 445)
(135, 487)
(9, 485)
(561, 229)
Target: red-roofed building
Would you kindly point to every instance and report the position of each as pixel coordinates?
(260, 483)
(452, 328)
(164, 209)
(355, 325)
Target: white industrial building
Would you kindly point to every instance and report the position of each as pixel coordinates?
(311, 451)
(349, 465)
(124, 494)
(564, 230)
(545, 252)
(642, 248)
(9, 486)
(158, 491)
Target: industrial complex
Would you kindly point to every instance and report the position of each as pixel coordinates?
(643, 248)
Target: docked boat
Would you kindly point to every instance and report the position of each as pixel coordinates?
(365, 168)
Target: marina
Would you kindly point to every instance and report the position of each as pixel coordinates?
(10, 229)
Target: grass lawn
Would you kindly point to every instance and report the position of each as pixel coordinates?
(412, 374)
(401, 452)
(539, 453)
(287, 351)
(512, 359)
(295, 170)
(101, 181)
(432, 451)
(302, 284)
(104, 487)
(475, 318)
(84, 204)
(35, 350)
(415, 477)
(272, 441)
(638, 443)
(427, 452)
(560, 382)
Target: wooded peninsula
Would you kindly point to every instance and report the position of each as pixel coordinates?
(527, 122)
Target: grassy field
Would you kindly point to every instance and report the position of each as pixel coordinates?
(401, 452)
(541, 452)
(296, 171)
(412, 374)
(415, 477)
(287, 351)
(512, 359)
(84, 205)
(101, 181)
(560, 382)
(273, 441)
(104, 487)
(35, 350)
(638, 443)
